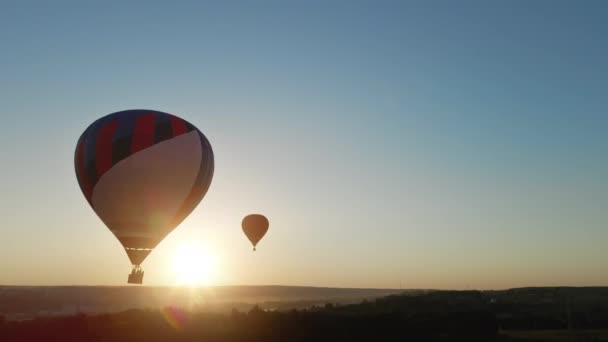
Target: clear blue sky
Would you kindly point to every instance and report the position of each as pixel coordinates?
(430, 144)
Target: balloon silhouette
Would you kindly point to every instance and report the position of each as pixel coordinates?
(255, 227)
(143, 172)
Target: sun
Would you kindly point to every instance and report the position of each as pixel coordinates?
(193, 265)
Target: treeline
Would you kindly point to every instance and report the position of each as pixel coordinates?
(428, 316)
(172, 324)
(518, 309)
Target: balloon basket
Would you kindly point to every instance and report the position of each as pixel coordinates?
(136, 276)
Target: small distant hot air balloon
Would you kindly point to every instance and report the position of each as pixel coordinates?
(255, 227)
(143, 172)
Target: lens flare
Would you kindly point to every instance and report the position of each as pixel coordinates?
(175, 316)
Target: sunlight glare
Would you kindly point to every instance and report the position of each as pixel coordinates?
(193, 265)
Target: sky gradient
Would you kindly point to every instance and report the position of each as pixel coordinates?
(427, 144)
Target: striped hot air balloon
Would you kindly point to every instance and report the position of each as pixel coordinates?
(143, 172)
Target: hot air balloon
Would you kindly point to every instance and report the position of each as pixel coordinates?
(255, 227)
(143, 172)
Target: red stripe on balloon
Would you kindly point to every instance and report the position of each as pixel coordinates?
(143, 135)
(82, 173)
(103, 148)
(178, 125)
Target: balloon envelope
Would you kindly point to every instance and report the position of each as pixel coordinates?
(143, 172)
(255, 227)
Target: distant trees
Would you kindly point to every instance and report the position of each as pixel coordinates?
(430, 316)
(255, 325)
(256, 311)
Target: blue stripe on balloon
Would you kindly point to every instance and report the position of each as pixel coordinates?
(162, 129)
(126, 125)
(90, 136)
(121, 142)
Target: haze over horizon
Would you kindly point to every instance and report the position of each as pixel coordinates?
(390, 144)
